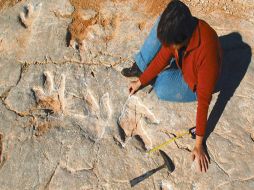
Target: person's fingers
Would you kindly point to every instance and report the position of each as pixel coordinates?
(130, 85)
(133, 87)
(132, 91)
(208, 160)
(204, 164)
(200, 165)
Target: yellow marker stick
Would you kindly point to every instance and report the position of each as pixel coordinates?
(167, 142)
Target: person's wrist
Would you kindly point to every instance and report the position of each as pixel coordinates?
(198, 146)
(199, 142)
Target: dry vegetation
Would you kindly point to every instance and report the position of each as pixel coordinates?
(152, 7)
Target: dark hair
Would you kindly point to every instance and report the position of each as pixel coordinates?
(176, 23)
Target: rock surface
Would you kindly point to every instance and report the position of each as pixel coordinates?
(62, 109)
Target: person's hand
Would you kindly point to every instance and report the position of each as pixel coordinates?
(201, 158)
(134, 86)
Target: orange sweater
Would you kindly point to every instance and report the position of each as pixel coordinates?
(200, 67)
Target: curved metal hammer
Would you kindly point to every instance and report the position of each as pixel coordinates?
(168, 163)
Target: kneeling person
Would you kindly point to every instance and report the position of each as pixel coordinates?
(183, 54)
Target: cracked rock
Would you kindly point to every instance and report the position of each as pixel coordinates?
(64, 139)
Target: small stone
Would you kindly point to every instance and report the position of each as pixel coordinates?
(165, 185)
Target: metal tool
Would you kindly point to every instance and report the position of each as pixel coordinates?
(168, 163)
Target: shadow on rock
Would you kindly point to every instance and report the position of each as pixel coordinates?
(236, 59)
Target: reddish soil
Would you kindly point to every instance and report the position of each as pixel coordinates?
(8, 3)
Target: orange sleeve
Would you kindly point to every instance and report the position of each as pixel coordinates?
(157, 65)
(208, 73)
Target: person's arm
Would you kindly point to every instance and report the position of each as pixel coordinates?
(208, 73)
(157, 65)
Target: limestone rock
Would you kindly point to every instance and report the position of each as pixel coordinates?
(64, 134)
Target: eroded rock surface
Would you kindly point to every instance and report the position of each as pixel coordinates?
(61, 107)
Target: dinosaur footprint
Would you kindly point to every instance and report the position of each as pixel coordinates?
(95, 122)
(54, 101)
(133, 119)
(50, 98)
(78, 28)
(32, 12)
